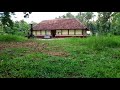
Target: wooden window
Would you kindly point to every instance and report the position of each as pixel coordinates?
(82, 32)
(48, 32)
(35, 33)
(58, 32)
(45, 32)
(78, 32)
(64, 32)
(40, 32)
(71, 32)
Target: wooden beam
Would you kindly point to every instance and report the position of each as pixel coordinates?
(45, 32)
(40, 32)
(75, 32)
(82, 32)
(68, 31)
(35, 32)
(31, 29)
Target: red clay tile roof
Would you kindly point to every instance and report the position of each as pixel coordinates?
(59, 24)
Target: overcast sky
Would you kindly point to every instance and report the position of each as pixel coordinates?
(39, 16)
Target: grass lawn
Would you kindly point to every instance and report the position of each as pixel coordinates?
(92, 57)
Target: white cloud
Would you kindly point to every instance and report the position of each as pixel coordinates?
(39, 16)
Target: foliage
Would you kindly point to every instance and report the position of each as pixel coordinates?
(9, 38)
(103, 22)
(21, 28)
(5, 18)
(68, 15)
(115, 26)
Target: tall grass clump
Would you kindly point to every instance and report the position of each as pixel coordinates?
(103, 42)
(74, 40)
(14, 38)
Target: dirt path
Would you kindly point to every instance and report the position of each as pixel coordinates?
(34, 47)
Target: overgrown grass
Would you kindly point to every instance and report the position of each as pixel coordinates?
(9, 38)
(92, 57)
(98, 43)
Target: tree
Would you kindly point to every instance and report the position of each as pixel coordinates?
(21, 28)
(85, 18)
(81, 17)
(115, 25)
(103, 22)
(34, 23)
(92, 27)
(69, 15)
(5, 18)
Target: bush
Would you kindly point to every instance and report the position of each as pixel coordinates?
(9, 38)
(102, 42)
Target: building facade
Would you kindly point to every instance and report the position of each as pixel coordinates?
(60, 28)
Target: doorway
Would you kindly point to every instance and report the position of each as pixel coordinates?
(53, 33)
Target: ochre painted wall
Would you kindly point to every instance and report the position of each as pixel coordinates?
(79, 32)
(38, 33)
(34, 33)
(64, 32)
(71, 32)
(58, 32)
(42, 32)
(48, 32)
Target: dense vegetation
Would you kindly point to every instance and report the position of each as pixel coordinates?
(92, 57)
(8, 26)
(12, 38)
(20, 28)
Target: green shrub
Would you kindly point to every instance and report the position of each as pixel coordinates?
(102, 42)
(9, 38)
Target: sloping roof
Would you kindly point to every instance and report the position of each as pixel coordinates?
(59, 24)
